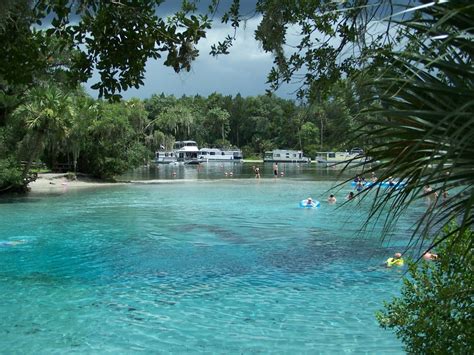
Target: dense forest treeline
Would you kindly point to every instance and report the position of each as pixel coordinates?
(69, 130)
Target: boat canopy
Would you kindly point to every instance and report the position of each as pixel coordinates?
(182, 144)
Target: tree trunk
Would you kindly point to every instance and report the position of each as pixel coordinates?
(33, 153)
(321, 132)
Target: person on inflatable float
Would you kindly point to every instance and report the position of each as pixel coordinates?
(309, 202)
(395, 261)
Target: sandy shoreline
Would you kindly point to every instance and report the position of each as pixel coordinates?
(49, 182)
(52, 182)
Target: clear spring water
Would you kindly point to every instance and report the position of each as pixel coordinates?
(222, 266)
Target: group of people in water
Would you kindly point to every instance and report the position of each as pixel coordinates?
(256, 170)
(360, 181)
(434, 196)
(397, 260)
(331, 199)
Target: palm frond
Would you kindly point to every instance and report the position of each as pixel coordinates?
(425, 121)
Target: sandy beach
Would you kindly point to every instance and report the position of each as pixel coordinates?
(50, 182)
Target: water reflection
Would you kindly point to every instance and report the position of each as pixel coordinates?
(237, 170)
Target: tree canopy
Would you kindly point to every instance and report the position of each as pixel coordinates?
(115, 38)
(314, 42)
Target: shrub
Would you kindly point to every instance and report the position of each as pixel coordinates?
(10, 176)
(435, 312)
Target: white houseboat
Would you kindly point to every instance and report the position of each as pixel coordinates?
(354, 156)
(215, 154)
(165, 157)
(285, 156)
(186, 152)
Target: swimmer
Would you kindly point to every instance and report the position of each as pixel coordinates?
(350, 196)
(11, 243)
(430, 256)
(429, 193)
(427, 189)
(332, 198)
(391, 181)
(373, 178)
(309, 201)
(396, 260)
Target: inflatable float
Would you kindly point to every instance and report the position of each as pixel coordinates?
(385, 184)
(394, 262)
(306, 204)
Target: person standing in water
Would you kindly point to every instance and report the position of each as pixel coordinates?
(275, 169)
(373, 177)
(257, 172)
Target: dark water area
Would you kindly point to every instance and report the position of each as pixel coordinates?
(240, 170)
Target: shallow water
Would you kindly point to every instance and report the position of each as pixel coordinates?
(228, 170)
(226, 266)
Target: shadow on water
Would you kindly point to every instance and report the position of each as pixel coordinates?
(9, 199)
(220, 232)
(321, 254)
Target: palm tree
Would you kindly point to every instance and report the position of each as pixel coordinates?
(86, 109)
(176, 120)
(46, 113)
(426, 99)
(219, 118)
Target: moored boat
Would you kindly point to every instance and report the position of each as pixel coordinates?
(165, 157)
(215, 154)
(354, 156)
(285, 156)
(186, 152)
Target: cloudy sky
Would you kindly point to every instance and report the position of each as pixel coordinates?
(243, 71)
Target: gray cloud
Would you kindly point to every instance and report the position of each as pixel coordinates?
(243, 71)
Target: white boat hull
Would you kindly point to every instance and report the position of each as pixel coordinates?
(217, 155)
(340, 162)
(341, 158)
(285, 156)
(165, 157)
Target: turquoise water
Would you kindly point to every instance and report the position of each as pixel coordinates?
(223, 266)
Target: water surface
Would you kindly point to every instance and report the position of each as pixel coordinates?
(226, 266)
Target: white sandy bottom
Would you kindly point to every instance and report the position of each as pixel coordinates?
(59, 182)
